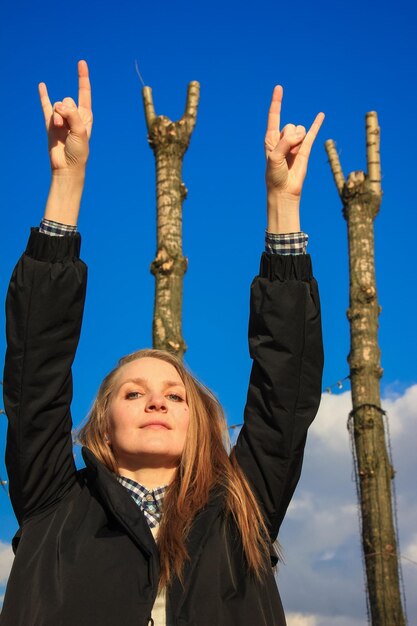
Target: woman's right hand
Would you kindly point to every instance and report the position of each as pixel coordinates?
(69, 127)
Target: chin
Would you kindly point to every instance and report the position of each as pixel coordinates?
(158, 451)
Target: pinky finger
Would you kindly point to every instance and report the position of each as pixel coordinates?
(311, 135)
(45, 102)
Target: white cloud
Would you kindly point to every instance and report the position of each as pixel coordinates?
(329, 427)
(298, 619)
(301, 505)
(322, 582)
(302, 619)
(411, 549)
(6, 560)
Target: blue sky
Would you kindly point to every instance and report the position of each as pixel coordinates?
(343, 59)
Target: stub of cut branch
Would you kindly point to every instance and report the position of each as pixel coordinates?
(336, 168)
(191, 105)
(372, 151)
(189, 118)
(148, 106)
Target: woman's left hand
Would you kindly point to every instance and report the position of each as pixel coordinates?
(287, 151)
(68, 126)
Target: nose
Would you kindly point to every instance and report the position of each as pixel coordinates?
(156, 402)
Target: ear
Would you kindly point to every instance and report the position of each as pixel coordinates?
(106, 439)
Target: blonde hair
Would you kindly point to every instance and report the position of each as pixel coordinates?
(204, 464)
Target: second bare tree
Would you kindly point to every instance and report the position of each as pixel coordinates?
(169, 142)
(361, 196)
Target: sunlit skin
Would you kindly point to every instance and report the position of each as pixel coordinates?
(149, 418)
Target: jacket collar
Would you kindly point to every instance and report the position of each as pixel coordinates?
(122, 506)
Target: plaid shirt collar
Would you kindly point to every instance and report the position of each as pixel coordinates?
(149, 500)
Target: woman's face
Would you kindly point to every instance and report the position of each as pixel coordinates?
(149, 415)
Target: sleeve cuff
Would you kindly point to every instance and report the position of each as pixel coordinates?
(287, 243)
(52, 249)
(56, 229)
(286, 267)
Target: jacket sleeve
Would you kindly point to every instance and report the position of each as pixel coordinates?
(44, 309)
(285, 343)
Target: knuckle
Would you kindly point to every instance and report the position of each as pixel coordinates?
(288, 128)
(68, 100)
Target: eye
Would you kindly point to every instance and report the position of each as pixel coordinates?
(132, 395)
(175, 397)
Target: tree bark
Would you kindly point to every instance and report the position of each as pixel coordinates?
(361, 196)
(169, 142)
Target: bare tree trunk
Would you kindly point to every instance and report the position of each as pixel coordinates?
(169, 142)
(361, 196)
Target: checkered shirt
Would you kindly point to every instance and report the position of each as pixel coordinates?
(56, 229)
(149, 500)
(288, 243)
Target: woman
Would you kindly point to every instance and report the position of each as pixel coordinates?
(156, 467)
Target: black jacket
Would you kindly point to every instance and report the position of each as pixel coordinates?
(85, 555)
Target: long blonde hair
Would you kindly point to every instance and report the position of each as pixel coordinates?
(204, 464)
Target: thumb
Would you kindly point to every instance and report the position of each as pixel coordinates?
(288, 143)
(69, 112)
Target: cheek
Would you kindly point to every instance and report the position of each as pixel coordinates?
(185, 420)
(121, 417)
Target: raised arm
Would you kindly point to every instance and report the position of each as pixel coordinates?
(284, 332)
(44, 311)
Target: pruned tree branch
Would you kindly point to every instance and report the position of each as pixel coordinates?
(335, 166)
(191, 105)
(372, 151)
(148, 106)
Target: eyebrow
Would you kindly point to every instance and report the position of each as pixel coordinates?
(144, 381)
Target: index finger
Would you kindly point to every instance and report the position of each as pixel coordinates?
(274, 115)
(84, 87)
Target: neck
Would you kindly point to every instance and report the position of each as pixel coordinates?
(150, 477)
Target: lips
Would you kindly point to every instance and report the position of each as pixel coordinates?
(156, 424)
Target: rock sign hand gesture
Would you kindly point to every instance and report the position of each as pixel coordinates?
(68, 126)
(287, 151)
